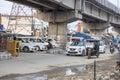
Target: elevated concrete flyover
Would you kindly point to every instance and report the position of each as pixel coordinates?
(98, 14)
(116, 23)
(98, 17)
(57, 12)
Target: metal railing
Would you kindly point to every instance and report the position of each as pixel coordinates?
(109, 5)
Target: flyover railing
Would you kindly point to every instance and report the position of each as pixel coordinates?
(109, 5)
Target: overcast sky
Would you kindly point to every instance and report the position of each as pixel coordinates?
(5, 6)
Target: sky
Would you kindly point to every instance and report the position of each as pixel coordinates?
(5, 6)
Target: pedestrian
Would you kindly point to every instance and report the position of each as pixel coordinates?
(119, 49)
(111, 48)
(50, 47)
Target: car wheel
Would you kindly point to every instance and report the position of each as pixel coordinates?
(97, 55)
(68, 54)
(89, 56)
(83, 53)
(26, 49)
(104, 51)
(38, 48)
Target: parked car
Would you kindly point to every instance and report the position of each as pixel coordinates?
(67, 45)
(102, 47)
(39, 43)
(76, 48)
(53, 42)
(72, 39)
(25, 45)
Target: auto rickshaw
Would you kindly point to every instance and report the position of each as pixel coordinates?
(93, 50)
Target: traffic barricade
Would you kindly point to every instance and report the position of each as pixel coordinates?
(13, 46)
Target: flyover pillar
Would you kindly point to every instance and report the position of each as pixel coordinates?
(57, 30)
(116, 29)
(58, 21)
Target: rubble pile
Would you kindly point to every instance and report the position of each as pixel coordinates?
(115, 75)
(5, 55)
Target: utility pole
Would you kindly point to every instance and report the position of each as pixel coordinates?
(21, 18)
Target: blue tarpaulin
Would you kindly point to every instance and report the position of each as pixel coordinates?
(85, 36)
(1, 27)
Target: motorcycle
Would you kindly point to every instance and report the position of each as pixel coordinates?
(111, 50)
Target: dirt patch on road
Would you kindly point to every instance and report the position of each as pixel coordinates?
(79, 72)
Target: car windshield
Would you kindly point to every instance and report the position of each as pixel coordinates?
(39, 40)
(77, 44)
(24, 40)
(81, 44)
(32, 40)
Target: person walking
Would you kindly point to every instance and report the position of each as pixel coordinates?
(111, 48)
(119, 49)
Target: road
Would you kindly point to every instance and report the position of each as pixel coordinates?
(40, 61)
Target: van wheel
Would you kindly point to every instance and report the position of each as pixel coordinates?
(83, 53)
(26, 49)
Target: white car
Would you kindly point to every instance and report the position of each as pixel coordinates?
(40, 44)
(76, 48)
(102, 47)
(53, 42)
(25, 45)
(67, 45)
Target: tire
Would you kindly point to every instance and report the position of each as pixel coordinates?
(89, 56)
(68, 54)
(83, 53)
(47, 48)
(97, 55)
(38, 48)
(105, 50)
(26, 49)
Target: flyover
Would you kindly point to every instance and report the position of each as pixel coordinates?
(97, 14)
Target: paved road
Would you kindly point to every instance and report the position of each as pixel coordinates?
(39, 61)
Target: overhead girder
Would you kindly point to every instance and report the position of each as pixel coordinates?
(46, 5)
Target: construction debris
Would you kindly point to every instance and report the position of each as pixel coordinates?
(5, 55)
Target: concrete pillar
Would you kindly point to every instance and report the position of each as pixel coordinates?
(57, 31)
(57, 21)
(116, 29)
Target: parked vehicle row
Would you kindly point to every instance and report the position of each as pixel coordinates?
(28, 44)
